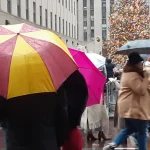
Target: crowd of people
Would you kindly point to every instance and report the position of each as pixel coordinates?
(54, 124)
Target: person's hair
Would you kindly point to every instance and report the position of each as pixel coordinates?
(117, 75)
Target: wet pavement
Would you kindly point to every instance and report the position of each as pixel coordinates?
(87, 146)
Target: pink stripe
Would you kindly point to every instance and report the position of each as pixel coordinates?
(58, 63)
(6, 52)
(27, 28)
(4, 31)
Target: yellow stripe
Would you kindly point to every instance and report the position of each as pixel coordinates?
(14, 28)
(50, 37)
(28, 73)
(4, 38)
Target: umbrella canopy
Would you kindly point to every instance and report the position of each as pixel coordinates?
(140, 46)
(94, 78)
(32, 61)
(96, 59)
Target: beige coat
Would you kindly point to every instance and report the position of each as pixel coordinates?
(134, 97)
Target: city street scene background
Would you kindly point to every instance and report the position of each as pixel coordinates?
(95, 38)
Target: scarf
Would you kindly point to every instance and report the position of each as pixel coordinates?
(132, 68)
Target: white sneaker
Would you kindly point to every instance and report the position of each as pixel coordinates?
(133, 141)
(110, 146)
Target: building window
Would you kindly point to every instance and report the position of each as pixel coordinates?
(111, 9)
(85, 3)
(34, 12)
(69, 5)
(46, 18)
(51, 19)
(9, 6)
(59, 24)
(85, 13)
(77, 31)
(104, 9)
(104, 32)
(72, 31)
(85, 24)
(18, 8)
(74, 8)
(66, 28)
(66, 3)
(92, 4)
(92, 33)
(41, 15)
(85, 36)
(103, 15)
(103, 4)
(27, 9)
(92, 12)
(103, 21)
(63, 2)
(63, 27)
(69, 29)
(92, 23)
(113, 1)
(56, 23)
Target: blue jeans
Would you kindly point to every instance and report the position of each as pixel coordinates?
(134, 126)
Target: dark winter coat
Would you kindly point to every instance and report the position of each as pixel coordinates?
(109, 68)
(77, 95)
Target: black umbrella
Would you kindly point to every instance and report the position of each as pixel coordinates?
(140, 46)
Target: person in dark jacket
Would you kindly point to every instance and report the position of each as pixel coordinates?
(109, 67)
(43, 121)
(76, 93)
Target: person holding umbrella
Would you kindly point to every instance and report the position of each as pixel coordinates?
(34, 96)
(134, 91)
(76, 95)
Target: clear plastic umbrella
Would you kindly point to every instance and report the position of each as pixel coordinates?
(96, 59)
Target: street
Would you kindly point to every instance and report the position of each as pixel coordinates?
(88, 145)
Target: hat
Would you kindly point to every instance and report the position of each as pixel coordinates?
(134, 58)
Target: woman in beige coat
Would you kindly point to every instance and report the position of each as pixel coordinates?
(133, 103)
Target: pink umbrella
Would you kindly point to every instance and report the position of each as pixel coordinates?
(94, 78)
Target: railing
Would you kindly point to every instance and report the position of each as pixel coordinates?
(111, 96)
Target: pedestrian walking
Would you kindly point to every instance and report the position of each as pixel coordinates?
(133, 103)
(118, 122)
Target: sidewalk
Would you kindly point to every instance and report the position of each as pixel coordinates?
(87, 145)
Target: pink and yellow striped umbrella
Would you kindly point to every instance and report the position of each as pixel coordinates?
(32, 61)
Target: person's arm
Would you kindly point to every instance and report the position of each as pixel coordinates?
(61, 120)
(137, 85)
(77, 95)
